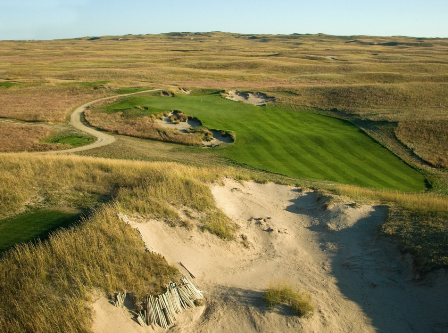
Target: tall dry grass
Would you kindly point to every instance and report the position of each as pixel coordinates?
(45, 102)
(45, 287)
(21, 137)
(415, 201)
(422, 233)
(157, 190)
(428, 139)
(417, 222)
(141, 127)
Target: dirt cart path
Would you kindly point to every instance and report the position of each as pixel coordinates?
(103, 139)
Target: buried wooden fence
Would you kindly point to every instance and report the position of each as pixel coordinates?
(162, 309)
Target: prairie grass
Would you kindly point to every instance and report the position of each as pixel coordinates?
(46, 286)
(45, 102)
(422, 233)
(420, 201)
(156, 190)
(427, 138)
(282, 293)
(22, 137)
(40, 280)
(379, 78)
(140, 126)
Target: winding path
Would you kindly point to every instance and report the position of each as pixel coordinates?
(103, 139)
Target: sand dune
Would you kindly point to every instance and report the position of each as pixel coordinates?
(358, 283)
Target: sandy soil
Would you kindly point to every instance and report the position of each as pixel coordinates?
(183, 126)
(256, 98)
(358, 283)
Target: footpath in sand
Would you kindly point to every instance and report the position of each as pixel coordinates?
(357, 282)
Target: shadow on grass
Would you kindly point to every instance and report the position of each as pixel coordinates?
(34, 225)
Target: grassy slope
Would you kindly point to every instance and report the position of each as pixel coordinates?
(297, 144)
(31, 225)
(55, 277)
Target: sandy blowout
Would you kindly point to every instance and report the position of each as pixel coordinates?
(358, 283)
(255, 98)
(184, 126)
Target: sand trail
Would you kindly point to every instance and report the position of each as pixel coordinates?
(357, 283)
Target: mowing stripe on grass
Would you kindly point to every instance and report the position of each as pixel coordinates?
(294, 143)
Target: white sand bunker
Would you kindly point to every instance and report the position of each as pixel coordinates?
(185, 124)
(255, 98)
(357, 282)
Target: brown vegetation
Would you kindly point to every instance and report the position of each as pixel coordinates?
(20, 137)
(379, 78)
(44, 102)
(428, 139)
(142, 127)
(45, 287)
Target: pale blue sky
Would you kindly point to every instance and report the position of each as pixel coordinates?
(53, 19)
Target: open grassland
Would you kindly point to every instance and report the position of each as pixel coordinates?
(379, 78)
(400, 81)
(21, 137)
(16, 137)
(296, 144)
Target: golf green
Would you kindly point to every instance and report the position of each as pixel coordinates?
(293, 143)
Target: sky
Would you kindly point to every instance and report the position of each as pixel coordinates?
(56, 19)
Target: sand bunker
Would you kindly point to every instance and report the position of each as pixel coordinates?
(184, 126)
(255, 98)
(357, 282)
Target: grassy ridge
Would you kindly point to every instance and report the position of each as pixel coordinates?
(296, 144)
(45, 287)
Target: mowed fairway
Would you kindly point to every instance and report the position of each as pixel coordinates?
(293, 143)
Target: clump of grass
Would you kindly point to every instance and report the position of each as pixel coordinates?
(283, 293)
(207, 135)
(219, 224)
(69, 139)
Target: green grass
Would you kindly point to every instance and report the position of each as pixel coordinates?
(130, 90)
(72, 140)
(8, 84)
(282, 292)
(293, 143)
(33, 225)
